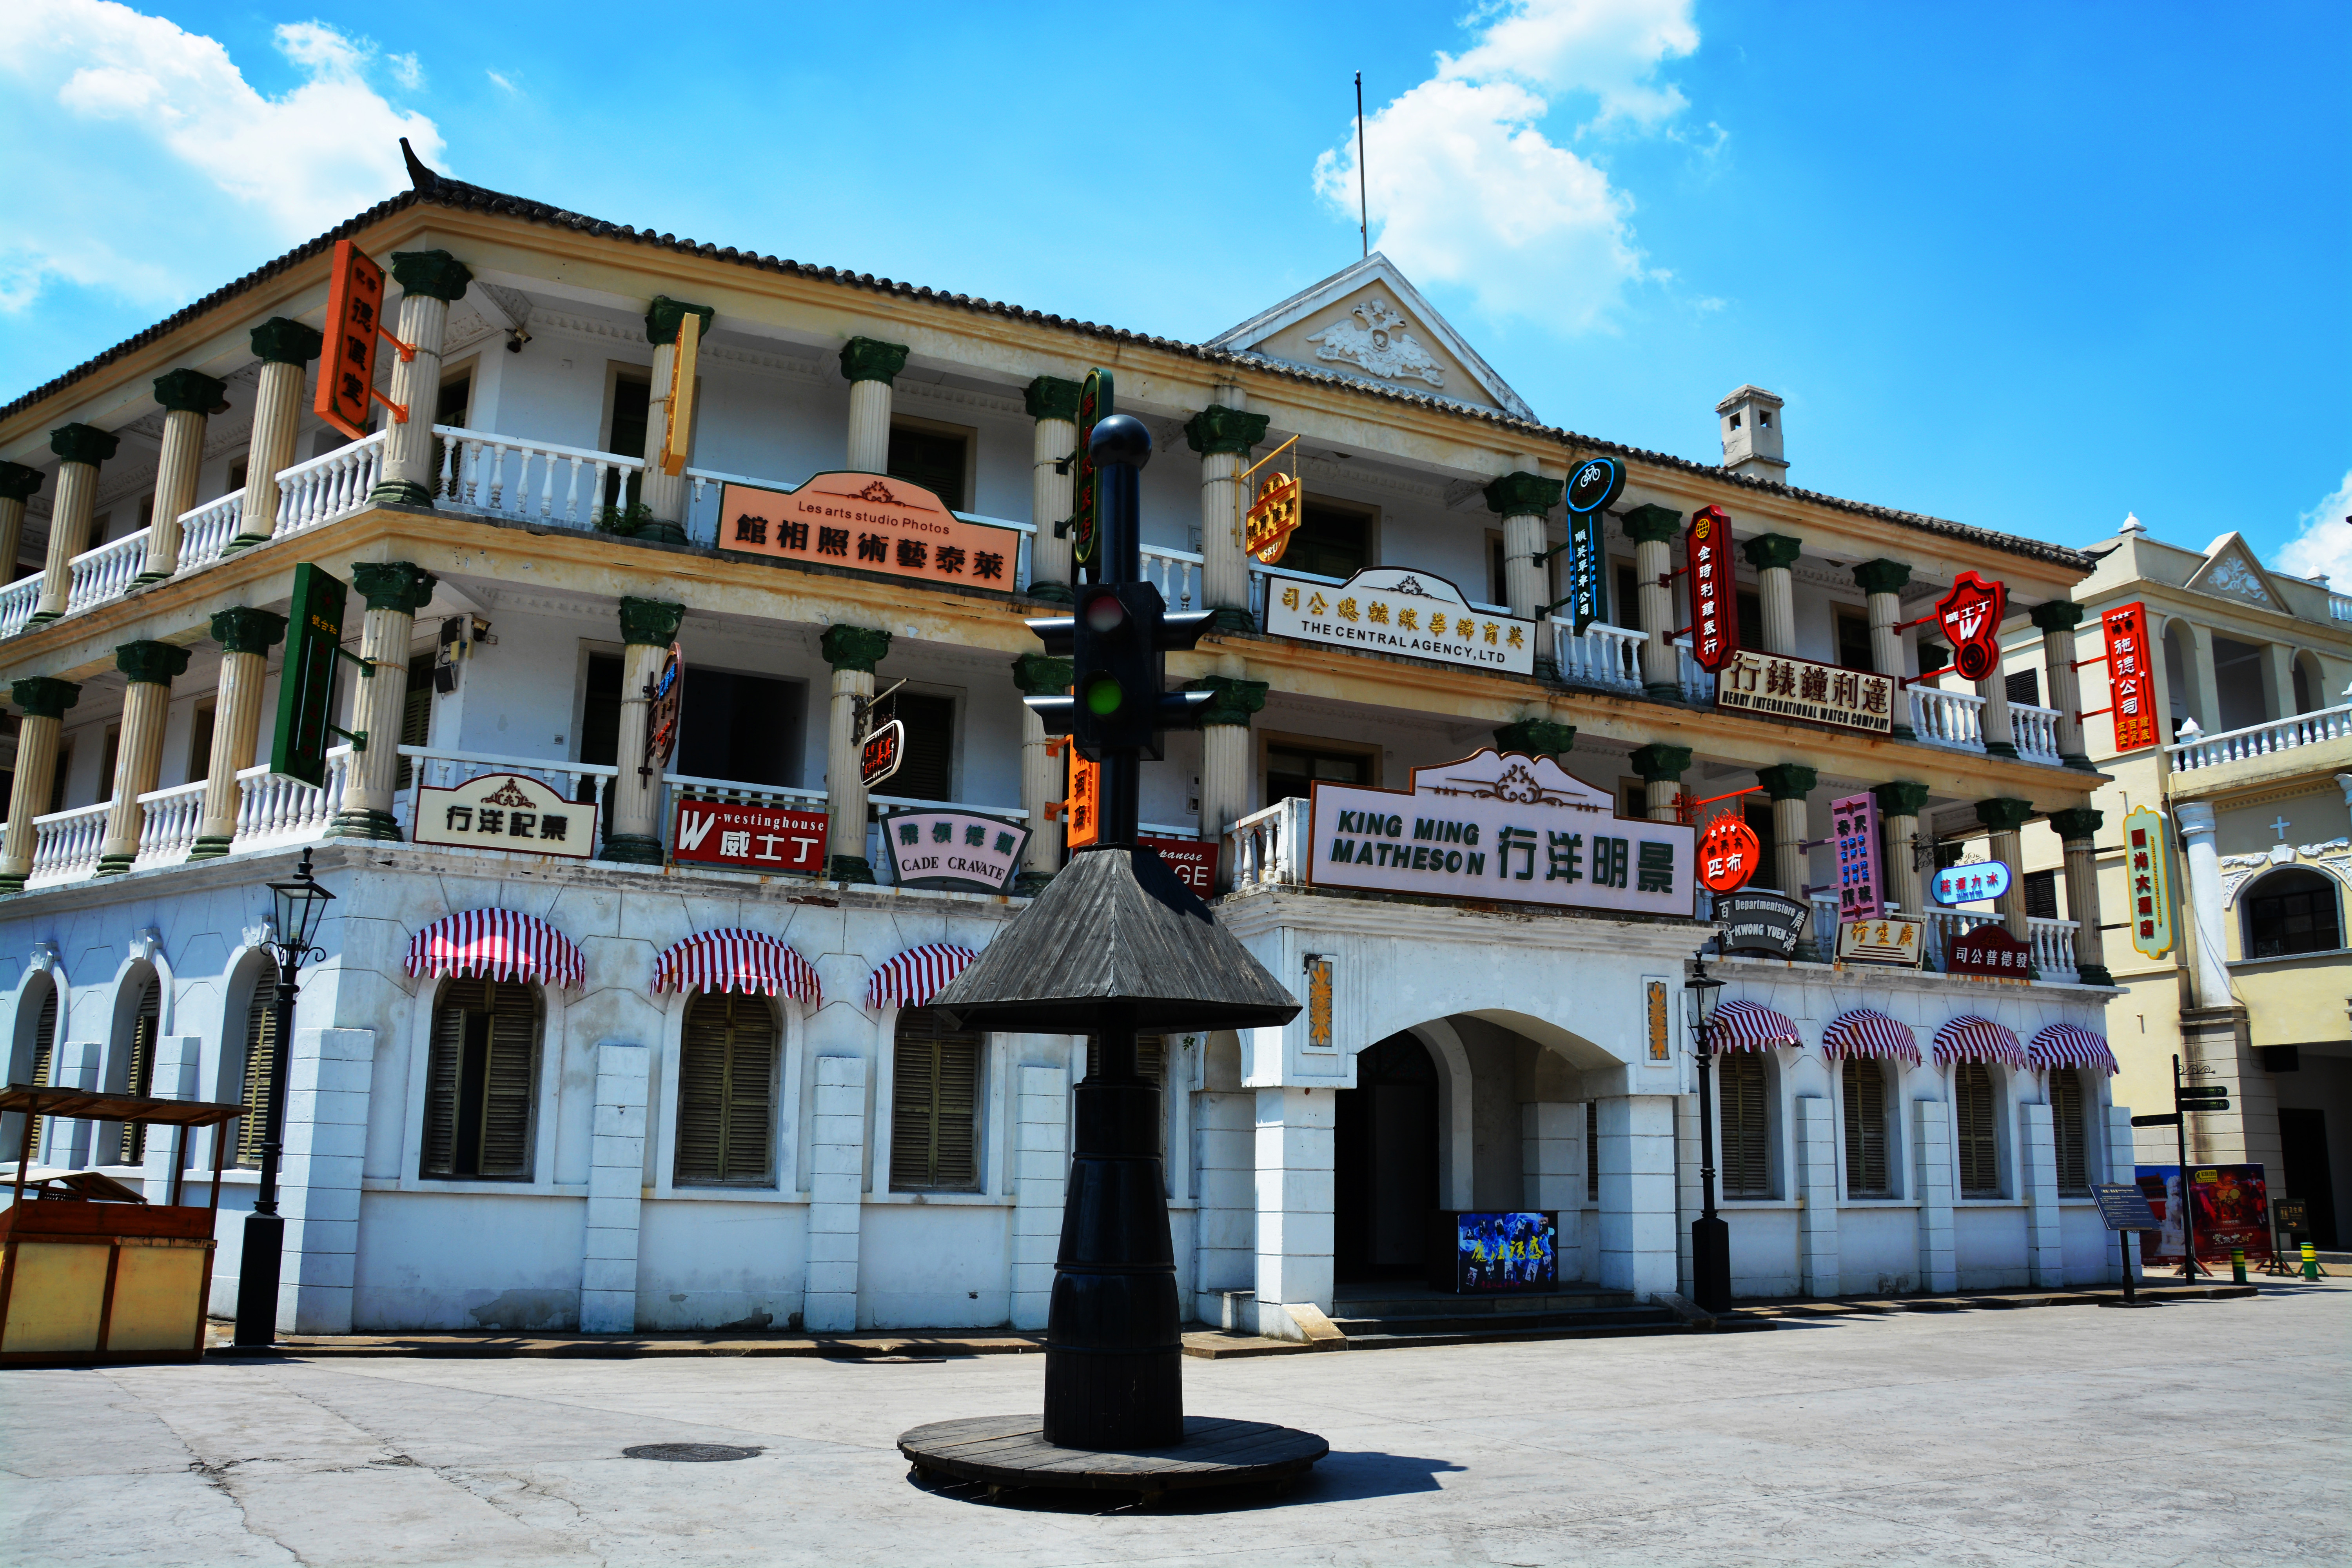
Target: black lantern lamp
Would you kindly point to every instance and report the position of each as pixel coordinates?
(298, 906)
(1710, 1237)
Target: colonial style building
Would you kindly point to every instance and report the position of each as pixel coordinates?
(613, 1036)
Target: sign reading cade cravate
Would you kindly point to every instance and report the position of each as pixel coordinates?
(955, 850)
(1499, 827)
(1394, 609)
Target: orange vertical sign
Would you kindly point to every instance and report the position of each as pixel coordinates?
(2131, 695)
(354, 318)
(1082, 805)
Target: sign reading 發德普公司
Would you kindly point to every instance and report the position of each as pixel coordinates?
(1804, 688)
(872, 523)
(955, 850)
(1393, 609)
(511, 811)
(747, 835)
(1499, 827)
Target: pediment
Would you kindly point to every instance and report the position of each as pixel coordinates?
(2232, 571)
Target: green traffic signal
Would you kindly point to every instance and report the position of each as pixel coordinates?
(1105, 696)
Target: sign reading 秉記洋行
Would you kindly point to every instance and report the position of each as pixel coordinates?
(1802, 688)
(955, 850)
(1394, 609)
(869, 522)
(2147, 862)
(505, 811)
(1504, 827)
(747, 835)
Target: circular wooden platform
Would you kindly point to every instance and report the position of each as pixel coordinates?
(1012, 1451)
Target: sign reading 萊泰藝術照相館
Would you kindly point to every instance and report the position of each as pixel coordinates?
(872, 523)
(1499, 827)
(1393, 609)
(1808, 690)
(957, 851)
(510, 812)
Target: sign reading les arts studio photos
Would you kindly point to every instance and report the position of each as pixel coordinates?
(954, 850)
(747, 837)
(1394, 609)
(1990, 949)
(1499, 828)
(872, 523)
(505, 811)
(1807, 690)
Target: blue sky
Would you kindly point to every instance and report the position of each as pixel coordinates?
(2030, 266)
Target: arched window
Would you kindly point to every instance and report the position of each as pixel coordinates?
(481, 1087)
(2070, 1127)
(139, 1075)
(259, 1055)
(1978, 1105)
(934, 1104)
(1743, 1095)
(45, 1053)
(2292, 910)
(1863, 1080)
(727, 1088)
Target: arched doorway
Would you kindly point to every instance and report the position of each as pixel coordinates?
(1385, 1162)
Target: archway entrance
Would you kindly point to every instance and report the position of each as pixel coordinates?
(1385, 1163)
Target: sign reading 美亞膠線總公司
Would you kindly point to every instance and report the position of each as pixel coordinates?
(1804, 688)
(955, 850)
(870, 522)
(748, 835)
(510, 812)
(1394, 609)
(1499, 827)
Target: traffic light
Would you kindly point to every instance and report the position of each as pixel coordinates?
(1117, 640)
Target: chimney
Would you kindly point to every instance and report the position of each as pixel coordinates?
(1752, 435)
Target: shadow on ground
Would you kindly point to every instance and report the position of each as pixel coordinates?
(1341, 1475)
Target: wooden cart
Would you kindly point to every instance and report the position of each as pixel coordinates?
(89, 1278)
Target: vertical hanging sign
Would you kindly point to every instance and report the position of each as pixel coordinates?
(1854, 827)
(1597, 484)
(354, 319)
(306, 686)
(2130, 701)
(1714, 612)
(1081, 799)
(1094, 406)
(2148, 860)
(677, 421)
(1970, 615)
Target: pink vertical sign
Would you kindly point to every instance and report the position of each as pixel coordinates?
(1854, 827)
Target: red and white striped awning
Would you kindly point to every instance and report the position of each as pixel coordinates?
(736, 960)
(915, 976)
(1968, 1038)
(2072, 1045)
(1745, 1026)
(498, 944)
(1866, 1032)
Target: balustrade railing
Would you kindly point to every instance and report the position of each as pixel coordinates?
(1175, 572)
(1697, 685)
(272, 809)
(1265, 848)
(2036, 730)
(2260, 740)
(584, 784)
(167, 823)
(107, 571)
(531, 482)
(330, 486)
(18, 601)
(1954, 719)
(205, 530)
(65, 844)
(1603, 656)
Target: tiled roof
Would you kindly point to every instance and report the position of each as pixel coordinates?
(440, 191)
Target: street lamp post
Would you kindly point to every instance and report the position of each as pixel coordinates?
(298, 905)
(1710, 1237)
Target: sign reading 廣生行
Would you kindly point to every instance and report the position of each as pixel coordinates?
(869, 522)
(1889, 939)
(1394, 609)
(748, 836)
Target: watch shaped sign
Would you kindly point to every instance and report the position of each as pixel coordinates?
(1970, 615)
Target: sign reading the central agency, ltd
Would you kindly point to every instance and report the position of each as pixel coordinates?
(954, 850)
(505, 811)
(747, 835)
(870, 522)
(1803, 689)
(1394, 609)
(1499, 827)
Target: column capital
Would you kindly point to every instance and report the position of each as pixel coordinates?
(18, 482)
(871, 359)
(432, 272)
(1522, 494)
(1536, 737)
(1231, 701)
(2076, 824)
(1218, 428)
(247, 630)
(2004, 813)
(185, 391)
(2193, 816)
(1051, 397)
(1882, 576)
(1902, 798)
(281, 340)
(1768, 551)
(83, 444)
(1662, 764)
(400, 585)
(1788, 781)
(650, 623)
(1042, 675)
(854, 648)
(44, 696)
(663, 317)
(1653, 524)
(151, 663)
(2057, 615)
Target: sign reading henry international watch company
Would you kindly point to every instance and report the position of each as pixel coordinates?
(871, 524)
(1802, 688)
(954, 850)
(1394, 609)
(505, 811)
(748, 836)
(1499, 827)
(1760, 920)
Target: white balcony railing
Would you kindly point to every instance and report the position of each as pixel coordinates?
(205, 530)
(273, 810)
(18, 602)
(329, 487)
(2051, 942)
(1603, 656)
(1175, 572)
(2260, 740)
(1265, 848)
(1942, 718)
(585, 783)
(168, 819)
(1697, 686)
(530, 481)
(107, 571)
(2340, 606)
(65, 844)
(2036, 730)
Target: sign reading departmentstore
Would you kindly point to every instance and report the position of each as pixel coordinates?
(1499, 827)
(871, 524)
(1394, 609)
(1804, 688)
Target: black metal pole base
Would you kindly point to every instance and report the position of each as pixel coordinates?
(1711, 1265)
(257, 1279)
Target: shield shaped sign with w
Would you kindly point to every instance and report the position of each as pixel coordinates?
(1970, 615)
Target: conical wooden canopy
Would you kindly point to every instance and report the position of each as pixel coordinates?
(1117, 927)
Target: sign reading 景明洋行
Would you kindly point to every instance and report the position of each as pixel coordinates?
(1393, 609)
(1805, 688)
(511, 811)
(2131, 701)
(747, 835)
(2147, 862)
(959, 851)
(871, 524)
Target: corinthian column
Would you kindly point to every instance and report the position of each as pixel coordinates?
(647, 629)
(245, 637)
(188, 398)
(1652, 530)
(1521, 498)
(148, 669)
(1053, 487)
(1223, 436)
(871, 366)
(1039, 674)
(284, 346)
(1788, 784)
(1899, 805)
(852, 651)
(17, 484)
(394, 591)
(2007, 816)
(2075, 828)
(1881, 581)
(83, 447)
(1662, 769)
(1772, 554)
(664, 494)
(433, 280)
(45, 701)
(2202, 859)
(2058, 618)
(1225, 756)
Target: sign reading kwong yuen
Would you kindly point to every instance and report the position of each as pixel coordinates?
(1394, 609)
(1499, 827)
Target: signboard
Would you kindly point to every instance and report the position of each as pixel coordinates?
(662, 702)
(1499, 827)
(1728, 853)
(955, 850)
(1853, 829)
(2123, 1206)
(2232, 1207)
(2148, 860)
(1095, 405)
(882, 752)
(1970, 615)
(1274, 517)
(747, 835)
(1319, 1002)
(872, 523)
(2131, 689)
(1660, 1029)
(1888, 938)
(1802, 688)
(1592, 488)
(678, 410)
(1760, 921)
(511, 811)
(1194, 860)
(306, 686)
(1715, 601)
(1990, 949)
(1497, 1253)
(1081, 798)
(354, 317)
(1969, 882)
(1395, 609)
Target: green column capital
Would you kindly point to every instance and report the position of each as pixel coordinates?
(1902, 798)
(1788, 781)
(185, 391)
(2057, 615)
(2076, 824)
(393, 584)
(281, 340)
(1661, 765)
(431, 272)
(151, 663)
(1882, 576)
(854, 648)
(662, 319)
(1218, 428)
(871, 359)
(1040, 675)
(1653, 524)
(247, 630)
(2004, 813)
(1231, 700)
(18, 482)
(83, 444)
(650, 623)
(1536, 737)
(1768, 551)
(1051, 397)
(1523, 495)
(44, 696)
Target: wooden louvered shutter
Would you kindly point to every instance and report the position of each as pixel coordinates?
(45, 1054)
(2066, 1099)
(726, 1089)
(703, 1090)
(140, 1079)
(1592, 1150)
(934, 1104)
(439, 1157)
(509, 1080)
(1865, 1083)
(1979, 1149)
(1746, 1158)
(260, 1072)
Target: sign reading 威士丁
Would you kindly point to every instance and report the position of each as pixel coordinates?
(1394, 609)
(1502, 827)
(748, 836)
(1803, 689)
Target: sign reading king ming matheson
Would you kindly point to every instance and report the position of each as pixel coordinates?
(1394, 609)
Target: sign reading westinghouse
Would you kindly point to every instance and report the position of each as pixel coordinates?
(1499, 827)
(1805, 688)
(1393, 609)
(748, 835)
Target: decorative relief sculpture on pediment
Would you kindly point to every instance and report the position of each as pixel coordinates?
(2233, 574)
(1376, 341)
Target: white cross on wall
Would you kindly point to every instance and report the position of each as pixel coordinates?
(2280, 828)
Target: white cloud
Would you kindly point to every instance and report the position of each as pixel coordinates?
(1466, 186)
(499, 80)
(407, 71)
(162, 171)
(2325, 543)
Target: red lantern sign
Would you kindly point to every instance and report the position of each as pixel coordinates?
(1728, 853)
(354, 317)
(1715, 604)
(2131, 700)
(1970, 615)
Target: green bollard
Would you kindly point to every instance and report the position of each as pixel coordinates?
(2310, 1261)
(2237, 1266)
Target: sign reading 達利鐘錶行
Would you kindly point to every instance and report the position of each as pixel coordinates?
(1802, 688)
(510, 812)
(1394, 609)
(954, 850)
(1499, 827)
(872, 524)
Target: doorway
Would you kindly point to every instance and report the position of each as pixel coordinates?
(2302, 1138)
(1385, 1163)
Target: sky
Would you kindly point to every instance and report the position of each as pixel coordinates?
(2030, 267)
